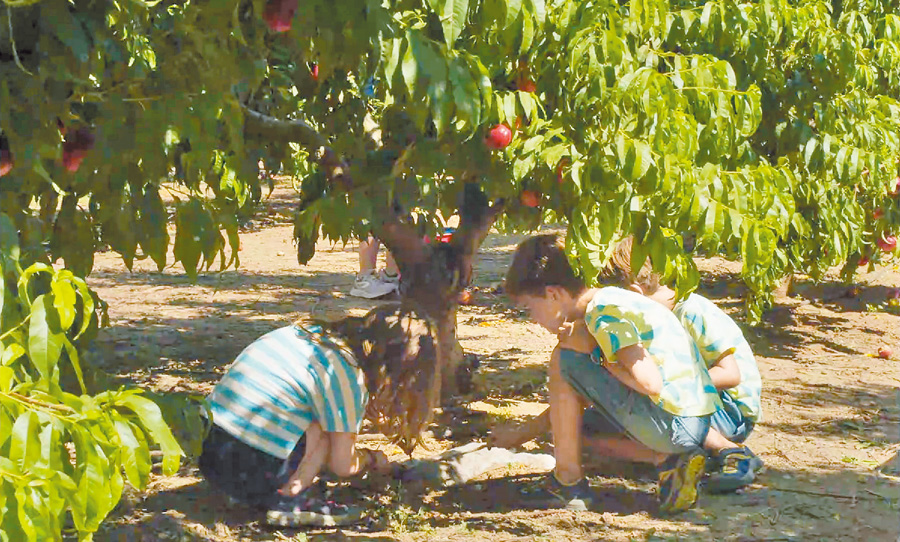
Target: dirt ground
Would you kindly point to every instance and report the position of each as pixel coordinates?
(829, 438)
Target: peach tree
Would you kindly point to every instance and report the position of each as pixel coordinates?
(763, 131)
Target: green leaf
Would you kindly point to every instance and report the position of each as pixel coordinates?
(453, 15)
(153, 234)
(539, 9)
(75, 362)
(466, 93)
(409, 68)
(643, 160)
(513, 9)
(25, 444)
(23, 284)
(7, 377)
(64, 302)
(10, 354)
(87, 303)
(392, 60)
(45, 340)
(9, 245)
(94, 478)
(67, 28)
(527, 32)
(441, 105)
(135, 453)
(152, 420)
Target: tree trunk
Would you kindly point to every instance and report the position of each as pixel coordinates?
(452, 354)
(432, 275)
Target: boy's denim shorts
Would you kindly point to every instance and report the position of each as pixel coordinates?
(620, 410)
(730, 421)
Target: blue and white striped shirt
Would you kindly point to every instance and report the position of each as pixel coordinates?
(283, 382)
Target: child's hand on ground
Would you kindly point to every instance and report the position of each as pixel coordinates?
(379, 462)
(293, 487)
(507, 435)
(575, 336)
(512, 434)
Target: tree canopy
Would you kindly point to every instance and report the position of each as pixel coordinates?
(766, 131)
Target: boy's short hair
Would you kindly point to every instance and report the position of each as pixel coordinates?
(539, 262)
(619, 269)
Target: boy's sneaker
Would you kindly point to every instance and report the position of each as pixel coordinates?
(578, 497)
(733, 469)
(679, 478)
(371, 285)
(303, 511)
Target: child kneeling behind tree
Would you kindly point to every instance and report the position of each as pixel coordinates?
(727, 356)
(293, 402)
(632, 361)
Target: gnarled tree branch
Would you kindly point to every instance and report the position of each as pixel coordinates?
(400, 237)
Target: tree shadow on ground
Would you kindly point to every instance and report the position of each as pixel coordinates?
(875, 421)
(786, 504)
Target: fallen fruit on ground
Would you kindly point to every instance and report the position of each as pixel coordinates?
(885, 352)
(864, 261)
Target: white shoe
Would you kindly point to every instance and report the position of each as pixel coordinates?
(389, 279)
(370, 286)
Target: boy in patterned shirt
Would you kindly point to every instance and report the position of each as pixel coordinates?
(728, 358)
(633, 363)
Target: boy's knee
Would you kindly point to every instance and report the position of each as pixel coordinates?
(573, 365)
(341, 469)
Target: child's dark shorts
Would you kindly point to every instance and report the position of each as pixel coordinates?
(244, 473)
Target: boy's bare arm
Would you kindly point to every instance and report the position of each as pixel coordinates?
(512, 434)
(725, 374)
(575, 336)
(636, 369)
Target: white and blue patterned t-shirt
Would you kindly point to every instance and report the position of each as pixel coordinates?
(618, 318)
(281, 383)
(716, 334)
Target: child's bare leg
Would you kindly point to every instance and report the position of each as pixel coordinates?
(624, 448)
(313, 460)
(368, 255)
(514, 434)
(715, 442)
(390, 264)
(565, 423)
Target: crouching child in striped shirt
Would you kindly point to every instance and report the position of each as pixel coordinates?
(293, 401)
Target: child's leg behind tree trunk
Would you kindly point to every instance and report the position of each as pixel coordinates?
(390, 265)
(565, 423)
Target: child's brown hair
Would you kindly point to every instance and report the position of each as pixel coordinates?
(619, 269)
(539, 262)
(398, 353)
